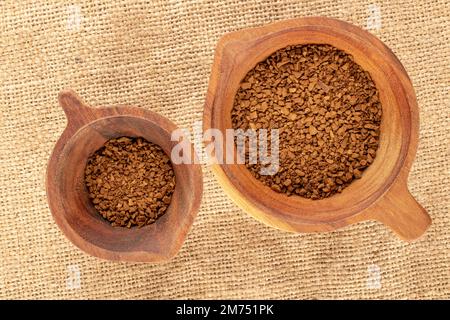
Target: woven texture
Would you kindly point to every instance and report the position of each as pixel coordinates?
(158, 54)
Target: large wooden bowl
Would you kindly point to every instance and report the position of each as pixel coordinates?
(87, 130)
(381, 194)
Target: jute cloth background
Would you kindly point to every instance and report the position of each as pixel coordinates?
(158, 54)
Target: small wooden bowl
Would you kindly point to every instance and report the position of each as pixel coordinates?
(87, 131)
(381, 194)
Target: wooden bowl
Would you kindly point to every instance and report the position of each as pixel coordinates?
(381, 194)
(87, 131)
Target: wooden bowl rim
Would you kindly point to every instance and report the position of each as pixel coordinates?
(235, 186)
(70, 135)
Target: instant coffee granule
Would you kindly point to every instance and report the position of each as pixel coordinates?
(328, 113)
(130, 181)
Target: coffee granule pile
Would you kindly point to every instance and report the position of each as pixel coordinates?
(328, 113)
(130, 181)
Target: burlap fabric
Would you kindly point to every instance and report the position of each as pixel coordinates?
(158, 54)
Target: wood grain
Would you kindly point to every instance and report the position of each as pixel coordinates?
(381, 194)
(87, 130)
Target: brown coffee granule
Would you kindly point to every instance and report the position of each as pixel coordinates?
(328, 113)
(130, 181)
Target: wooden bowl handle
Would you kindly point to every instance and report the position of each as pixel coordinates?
(78, 113)
(398, 210)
